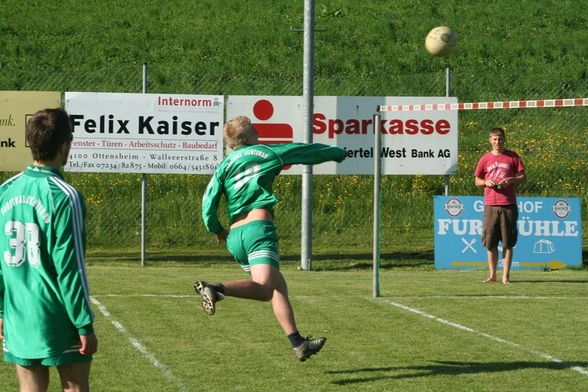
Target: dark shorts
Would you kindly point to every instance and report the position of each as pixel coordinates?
(254, 243)
(59, 360)
(500, 224)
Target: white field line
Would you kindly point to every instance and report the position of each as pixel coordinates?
(147, 295)
(496, 339)
(501, 297)
(548, 357)
(466, 297)
(137, 344)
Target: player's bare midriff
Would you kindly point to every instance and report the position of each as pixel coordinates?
(253, 215)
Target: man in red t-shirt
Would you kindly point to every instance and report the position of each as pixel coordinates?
(498, 172)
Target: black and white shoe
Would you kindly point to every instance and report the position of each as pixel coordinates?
(208, 295)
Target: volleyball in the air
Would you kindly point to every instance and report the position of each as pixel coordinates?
(441, 41)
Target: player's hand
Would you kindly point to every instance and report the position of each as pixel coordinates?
(222, 236)
(490, 183)
(89, 344)
(1, 333)
(506, 182)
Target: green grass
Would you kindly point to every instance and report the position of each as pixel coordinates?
(188, 43)
(507, 51)
(517, 332)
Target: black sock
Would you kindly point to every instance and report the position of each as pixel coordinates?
(219, 287)
(295, 339)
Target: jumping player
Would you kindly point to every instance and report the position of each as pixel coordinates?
(246, 177)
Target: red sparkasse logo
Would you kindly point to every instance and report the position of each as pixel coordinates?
(352, 126)
(271, 133)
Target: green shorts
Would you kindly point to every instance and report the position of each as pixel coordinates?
(58, 360)
(254, 243)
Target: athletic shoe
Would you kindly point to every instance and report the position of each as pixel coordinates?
(308, 348)
(208, 295)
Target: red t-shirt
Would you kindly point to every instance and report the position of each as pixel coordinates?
(497, 168)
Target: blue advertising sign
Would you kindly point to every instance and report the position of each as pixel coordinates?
(550, 233)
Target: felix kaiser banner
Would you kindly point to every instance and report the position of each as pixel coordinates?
(413, 142)
(145, 133)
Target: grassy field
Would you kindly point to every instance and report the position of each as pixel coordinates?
(429, 331)
(187, 42)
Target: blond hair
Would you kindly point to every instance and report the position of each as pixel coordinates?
(237, 131)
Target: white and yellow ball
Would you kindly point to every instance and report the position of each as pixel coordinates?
(441, 41)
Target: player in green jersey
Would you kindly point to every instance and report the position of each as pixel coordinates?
(245, 178)
(45, 315)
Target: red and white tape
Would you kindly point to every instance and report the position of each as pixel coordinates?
(529, 104)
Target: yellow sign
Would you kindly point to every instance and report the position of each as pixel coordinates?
(552, 264)
(468, 264)
(16, 107)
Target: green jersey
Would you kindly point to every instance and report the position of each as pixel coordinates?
(246, 177)
(44, 298)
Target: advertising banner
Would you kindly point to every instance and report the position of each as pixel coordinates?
(16, 107)
(413, 142)
(550, 233)
(145, 133)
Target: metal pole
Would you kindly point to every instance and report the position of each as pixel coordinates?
(307, 93)
(447, 82)
(377, 203)
(447, 94)
(143, 190)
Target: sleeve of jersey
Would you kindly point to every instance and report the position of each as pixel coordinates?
(520, 165)
(1, 292)
(2, 287)
(479, 172)
(308, 154)
(210, 203)
(68, 256)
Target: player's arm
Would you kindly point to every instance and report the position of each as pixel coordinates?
(89, 344)
(308, 154)
(210, 203)
(2, 287)
(1, 302)
(480, 175)
(222, 236)
(482, 183)
(519, 178)
(68, 255)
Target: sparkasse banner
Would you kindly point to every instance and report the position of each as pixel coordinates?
(413, 142)
(145, 133)
(16, 107)
(550, 233)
